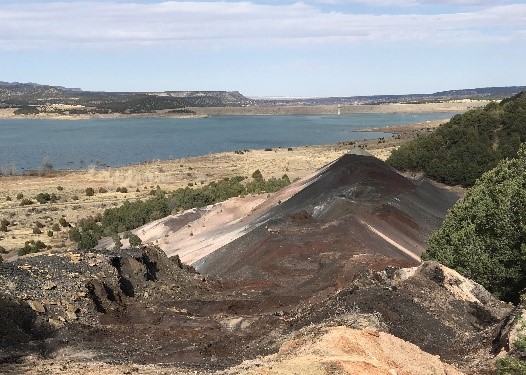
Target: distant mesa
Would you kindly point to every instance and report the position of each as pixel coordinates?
(45, 99)
(17, 95)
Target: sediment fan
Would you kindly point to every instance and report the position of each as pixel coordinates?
(358, 214)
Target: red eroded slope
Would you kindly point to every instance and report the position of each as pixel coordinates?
(358, 214)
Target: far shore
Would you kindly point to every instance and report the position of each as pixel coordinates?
(8, 113)
(446, 107)
(260, 110)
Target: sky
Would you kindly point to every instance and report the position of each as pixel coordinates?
(307, 48)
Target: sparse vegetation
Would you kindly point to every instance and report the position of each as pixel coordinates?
(514, 363)
(27, 110)
(90, 192)
(132, 215)
(43, 198)
(26, 202)
(32, 247)
(4, 223)
(117, 244)
(510, 366)
(74, 234)
(134, 240)
(520, 343)
(63, 222)
(259, 185)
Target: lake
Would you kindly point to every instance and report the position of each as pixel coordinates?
(118, 142)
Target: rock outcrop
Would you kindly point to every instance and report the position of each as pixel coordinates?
(43, 293)
(431, 306)
(139, 306)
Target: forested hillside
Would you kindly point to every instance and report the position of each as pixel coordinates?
(470, 144)
(484, 235)
(32, 98)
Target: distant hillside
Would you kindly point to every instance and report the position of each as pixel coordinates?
(484, 92)
(34, 98)
(492, 93)
(24, 93)
(468, 145)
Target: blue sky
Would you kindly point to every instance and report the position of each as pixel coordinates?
(265, 48)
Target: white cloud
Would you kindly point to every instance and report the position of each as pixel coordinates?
(411, 3)
(207, 24)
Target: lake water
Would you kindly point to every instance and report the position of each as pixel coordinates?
(117, 142)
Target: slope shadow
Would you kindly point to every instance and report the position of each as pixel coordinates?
(22, 330)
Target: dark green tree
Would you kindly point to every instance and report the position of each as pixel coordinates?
(135, 240)
(458, 152)
(484, 235)
(27, 110)
(74, 234)
(117, 244)
(43, 198)
(62, 221)
(31, 247)
(88, 240)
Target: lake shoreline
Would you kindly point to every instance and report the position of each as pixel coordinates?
(261, 110)
(400, 134)
(34, 145)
